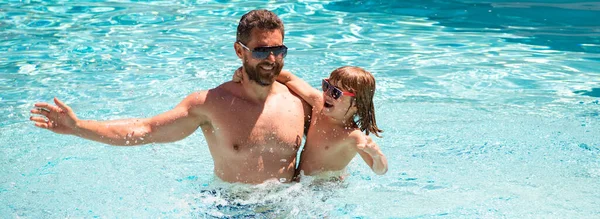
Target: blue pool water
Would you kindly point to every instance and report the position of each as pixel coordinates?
(490, 109)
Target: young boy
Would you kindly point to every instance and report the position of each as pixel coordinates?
(340, 115)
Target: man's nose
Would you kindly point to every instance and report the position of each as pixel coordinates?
(271, 57)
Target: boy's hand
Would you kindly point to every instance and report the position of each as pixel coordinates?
(237, 76)
(370, 147)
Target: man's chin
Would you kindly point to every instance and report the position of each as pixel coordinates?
(268, 74)
(264, 83)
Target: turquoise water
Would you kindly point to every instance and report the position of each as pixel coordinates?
(490, 110)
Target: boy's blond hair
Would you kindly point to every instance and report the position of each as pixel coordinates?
(362, 84)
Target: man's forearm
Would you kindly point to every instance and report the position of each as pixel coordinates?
(127, 132)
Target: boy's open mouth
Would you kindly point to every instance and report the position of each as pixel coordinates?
(328, 105)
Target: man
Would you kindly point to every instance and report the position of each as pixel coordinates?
(253, 129)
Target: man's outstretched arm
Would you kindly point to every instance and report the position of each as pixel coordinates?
(172, 125)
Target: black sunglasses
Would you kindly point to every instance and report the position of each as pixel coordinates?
(333, 91)
(264, 52)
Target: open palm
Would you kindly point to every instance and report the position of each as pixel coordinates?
(60, 118)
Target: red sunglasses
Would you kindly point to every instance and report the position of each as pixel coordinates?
(333, 91)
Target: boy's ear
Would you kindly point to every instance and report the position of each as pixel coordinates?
(353, 105)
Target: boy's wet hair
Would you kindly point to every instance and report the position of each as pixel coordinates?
(261, 19)
(362, 84)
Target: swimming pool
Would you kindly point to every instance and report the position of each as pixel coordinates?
(490, 110)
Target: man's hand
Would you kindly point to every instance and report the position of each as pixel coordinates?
(60, 118)
(237, 76)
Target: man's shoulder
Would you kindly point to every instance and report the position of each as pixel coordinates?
(221, 91)
(229, 88)
(289, 92)
(198, 98)
(195, 99)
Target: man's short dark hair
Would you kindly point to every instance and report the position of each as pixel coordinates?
(261, 19)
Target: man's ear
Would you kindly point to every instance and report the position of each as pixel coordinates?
(238, 50)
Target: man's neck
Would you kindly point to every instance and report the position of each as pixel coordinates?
(255, 91)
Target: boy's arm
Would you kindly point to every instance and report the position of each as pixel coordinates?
(311, 95)
(172, 125)
(371, 154)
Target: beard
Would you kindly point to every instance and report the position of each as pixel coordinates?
(262, 77)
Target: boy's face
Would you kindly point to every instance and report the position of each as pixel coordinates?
(341, 108)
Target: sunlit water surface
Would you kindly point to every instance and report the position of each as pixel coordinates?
(490, 110)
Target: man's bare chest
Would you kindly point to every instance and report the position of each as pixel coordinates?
(244, 126)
